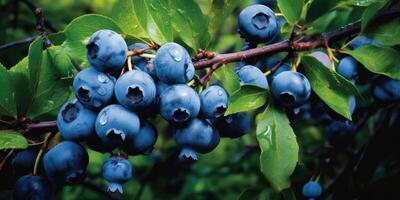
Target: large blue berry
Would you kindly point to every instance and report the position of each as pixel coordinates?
(197, 136)
(75, 122)
(24, 160)
(66, 163)
(363, 41)
(214, 101)
(117, 170)
(142, 63)
(290, 89)
(106, 51)
(173, 64)
(93, 88)
(252, 75)
(234, 126)
(114, 123)
(143, 142)
(160, 87)
(348, 68)
(179, 103)
(283, 68)
(386, 89)
(257, 24)
(312, 189)
(32, 188)
(322, 57)
(135, 90)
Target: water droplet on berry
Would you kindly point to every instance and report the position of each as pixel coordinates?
(103, 118)
(101, 91)
(102, 78)
(97, 103)
(220, 92)
(176, 53)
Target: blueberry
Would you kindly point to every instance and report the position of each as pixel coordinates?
(114, 123)
(257, 24)
(197, 136)
(135, 90)
(338, 128)
(179, 103)
(93, 88)
(24, 160)
(160, 87)
(234, 126)
(312, 189)
(75, 122)
(386, 89)
(117, 170)
(252, 75)
(214, 101)
(348, 68)
(143, 142)
(283, 68)
(291, 89)
(30, 187)
(96, 144)
(173, 64)
(323, 58)
(363, 41)
(66, 163)
(269, 3)
(106, 51)
(142, 63)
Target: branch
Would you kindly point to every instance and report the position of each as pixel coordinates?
(18, 42)
(46, 22)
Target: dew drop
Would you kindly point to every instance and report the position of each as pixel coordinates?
(97, 103)
(102, 78)
(220, 92)
(103, 118)
(176, 53)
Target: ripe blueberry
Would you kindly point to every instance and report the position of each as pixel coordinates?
(135, 90)
(93, 88)
(24, 160)
(234, 126)
(96, 144)
(323, 58)
(363, 41)
(106, 51)
(386, 89)
(117, 170)
(283, 68)
(114, 123)
(75, 122)
(32, 188)
(291, 89)
(252, 75)
(173, 64)
(142, 63)
(257, 24)
(197, 136)
(179, 103)
(348, 68)
(143, 142)
(312, 189)
(160, 87)
(214, 101)
(66, 163)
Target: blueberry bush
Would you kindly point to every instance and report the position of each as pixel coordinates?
(199, 99)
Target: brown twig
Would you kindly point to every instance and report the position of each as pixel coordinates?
(17, 43)
(46, 22)
(3, 162)
(40, 27)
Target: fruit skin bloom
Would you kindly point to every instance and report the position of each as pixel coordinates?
(312, 189)
(116, 171)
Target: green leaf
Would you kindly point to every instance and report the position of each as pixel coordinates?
(318, 8)
(332, 88)
(78, 32)
(291, 9)
(331, 21)
(279, 148)
(385, 33)
(220, 10)
(7, 94)
(125, 13)
(228, 78)
(248, 97)
(20, 76)
(34, 63)
(12, 140)
(190, 23)
(159, 25)
(369, 13)
(379, 60)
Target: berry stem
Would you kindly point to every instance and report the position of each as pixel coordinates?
(45, 144)
(147, 55)
(130, 63)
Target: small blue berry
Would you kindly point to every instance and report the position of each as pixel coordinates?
(348, 68)
(117, 170)
(32, 188)
(312, 189)
(252, 75)
(214, 101)
(143, 142)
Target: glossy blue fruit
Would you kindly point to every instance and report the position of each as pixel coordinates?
(312, 189)
(66, 163)
(117, 170)
(348, 68)
(363, 41)
(197, 136)
(338, 128)
(142, 63)
(160, 87)
(143, 142)
(269, 3)
(75, 122)
(323, 58)
(234, 126)
(214, 101)
(290, 89)
(106, 51)
(114, 123)
(252, 75)
(96, 144)
(386, 89)
(257, 24)
(24, 160)
(179, 103)
(283, 68)
(173, 64)
(135, 90)
(30, 187)
(93, 88)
